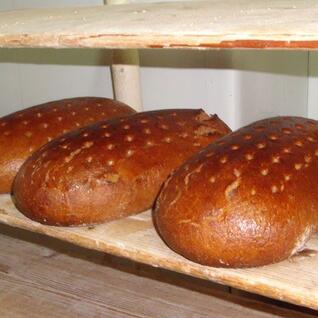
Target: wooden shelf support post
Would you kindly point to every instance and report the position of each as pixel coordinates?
(126, 73)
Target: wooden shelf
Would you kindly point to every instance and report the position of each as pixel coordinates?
(294, 280)
(199, 24)
(44, 277)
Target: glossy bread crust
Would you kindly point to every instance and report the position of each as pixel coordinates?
(23, 132)
(249, 199)
(112, 169)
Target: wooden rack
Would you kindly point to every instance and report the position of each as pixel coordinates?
(44, 277)
(204, 25)
(135, 238)
(196, 24)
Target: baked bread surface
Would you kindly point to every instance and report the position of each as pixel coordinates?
(249, 199)
(112, 169)
(25, 131)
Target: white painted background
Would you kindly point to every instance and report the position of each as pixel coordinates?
(240, 86)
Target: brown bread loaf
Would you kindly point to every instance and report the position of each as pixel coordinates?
(249, 199)
(23, 132)
(112, 169)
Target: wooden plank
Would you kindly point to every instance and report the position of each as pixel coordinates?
(43, 277)
(125, 72)
(135, 238)
(197, 24)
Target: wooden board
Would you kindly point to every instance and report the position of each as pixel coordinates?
(294, 280)
(44, 277)
(196, 24)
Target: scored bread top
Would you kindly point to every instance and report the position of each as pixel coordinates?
(23, 132)
(249, 199)
(111, 169)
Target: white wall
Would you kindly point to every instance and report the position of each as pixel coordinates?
(29, 77)
(241, 86)
(313, 85)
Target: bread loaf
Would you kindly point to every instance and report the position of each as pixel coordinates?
(112, 169)
(23, 132)
(249, 199)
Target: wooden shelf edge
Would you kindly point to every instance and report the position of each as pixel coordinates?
(147, 42)
(41, 281)
(135, 238)
(272, 24)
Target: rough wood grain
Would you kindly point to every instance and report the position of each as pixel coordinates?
(126, 77)
(196, 24)
(45, 277)
(294, 281)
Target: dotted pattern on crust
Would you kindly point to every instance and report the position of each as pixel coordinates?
(111, 169)
(250, 199)
(24, 132)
